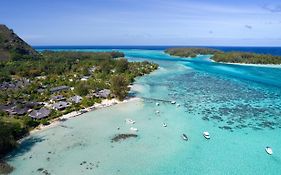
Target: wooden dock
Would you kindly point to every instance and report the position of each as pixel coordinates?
(156, 99)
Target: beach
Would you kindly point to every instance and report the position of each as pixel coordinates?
(255, 65)
(105, 103)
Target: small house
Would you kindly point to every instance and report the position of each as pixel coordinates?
(60, 105)
(59, 89)
(57, 98)
(76, 99)
(40, 114)
(102, 93)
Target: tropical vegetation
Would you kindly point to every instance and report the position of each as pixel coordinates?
(247, 58)
(29, 80)
(190, 52)
(227, 57)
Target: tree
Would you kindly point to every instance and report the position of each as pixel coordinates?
(119, 86)
(9, 133)
(105, 66)
(121, 65)
(82, 89)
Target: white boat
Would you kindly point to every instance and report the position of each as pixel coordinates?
(157, 104)
(173, 102)
(164, 125)
(269, 150)
(206, 135)
(133, 129)
(157, 112)
(178, 105)
(184, 137)
(130, 121)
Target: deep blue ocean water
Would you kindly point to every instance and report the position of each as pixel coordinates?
(262, 50)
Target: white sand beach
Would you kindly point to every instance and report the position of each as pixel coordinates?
(103, 104)
(255, 65)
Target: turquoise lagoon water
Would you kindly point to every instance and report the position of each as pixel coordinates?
(240, 106)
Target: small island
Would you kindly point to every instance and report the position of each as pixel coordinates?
(191, 52)
(39, 87)
(226, 57)
(246, 58)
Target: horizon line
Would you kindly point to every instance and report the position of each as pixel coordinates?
(67, 45)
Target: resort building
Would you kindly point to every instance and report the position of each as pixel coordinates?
(59, 89)
(57, 98)
(76, 99)
(60, 105)
(40, 114)
(102, 93)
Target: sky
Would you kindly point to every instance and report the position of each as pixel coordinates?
(145, 22)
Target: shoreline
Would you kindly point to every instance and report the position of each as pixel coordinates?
(248, 64)
(55, 122)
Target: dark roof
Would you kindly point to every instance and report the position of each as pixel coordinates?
(60, 105)
(7, 107)
(39, 114)
(32, 104)
(14, 110)
(57, 97)
(59, 88)
(14, 84)
(21, 111)
(103, 93)
(76, 99)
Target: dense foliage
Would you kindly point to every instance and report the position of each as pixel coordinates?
(227, 57)
(10, 131)
(248, 58)
(29, 80)
(190, 52)
(101, 70)
(119, 86)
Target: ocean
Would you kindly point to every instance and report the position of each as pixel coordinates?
(240, 106)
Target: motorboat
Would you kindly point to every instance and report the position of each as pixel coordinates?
(157, 104)
(133, 129)
(184, 137)
(269, 150)
(173, 102)
(157, 112)
(178, 105)
(206, 135)
(164, 125)
(130, 121)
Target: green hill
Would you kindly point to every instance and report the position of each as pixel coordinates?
(12, 47)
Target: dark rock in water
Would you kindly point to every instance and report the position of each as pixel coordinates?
(43, 171)
(46, 172)
(226, 127)
(205, 118)
(123, 137)
(218, 118)
(230, 122)
(40, 169)
(5, 168)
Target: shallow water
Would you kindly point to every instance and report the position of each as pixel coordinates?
(240, 106)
